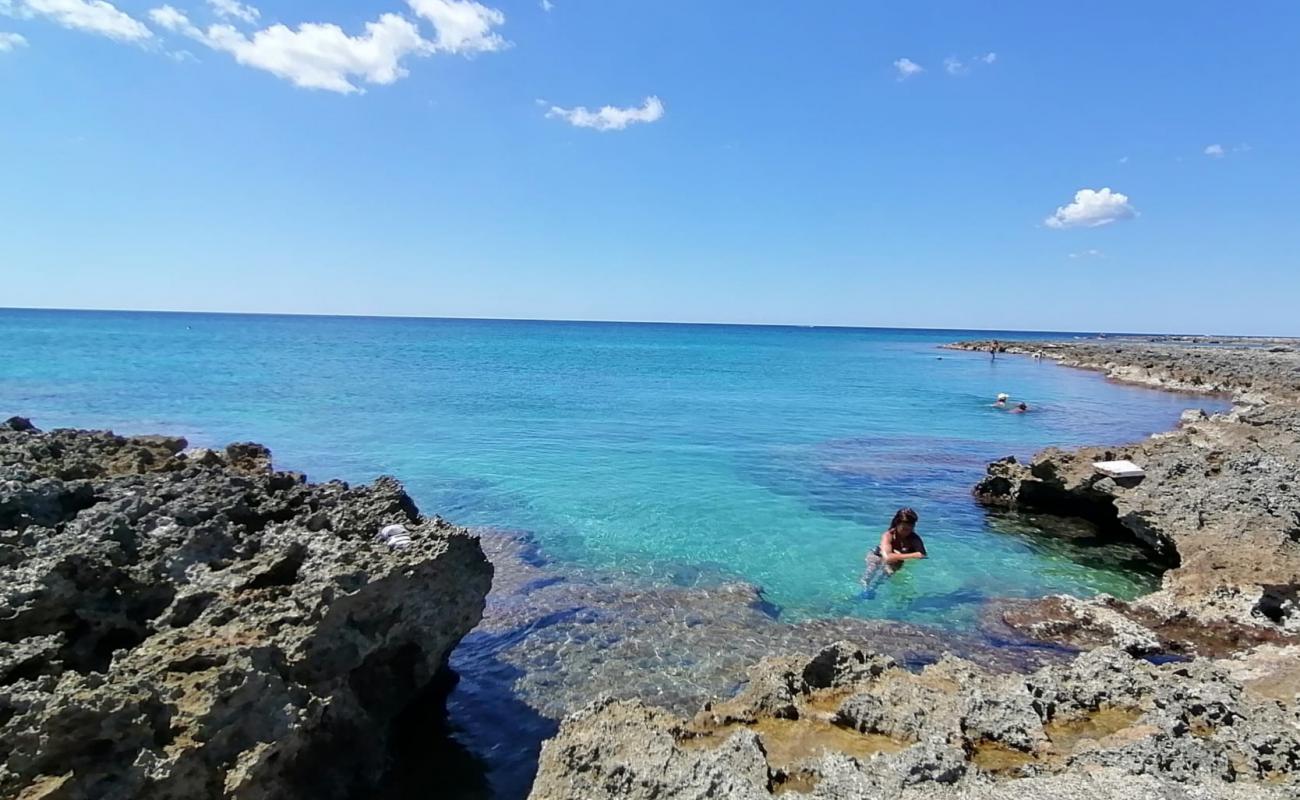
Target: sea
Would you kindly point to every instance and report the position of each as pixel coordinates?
(658, 455)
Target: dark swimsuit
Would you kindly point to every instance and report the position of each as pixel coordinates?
(904, 548)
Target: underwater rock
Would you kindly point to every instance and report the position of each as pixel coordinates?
(208, 627)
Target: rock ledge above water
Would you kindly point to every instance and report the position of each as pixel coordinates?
(190, 623)
(848, 723)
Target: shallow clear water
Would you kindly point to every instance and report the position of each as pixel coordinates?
(673, 453)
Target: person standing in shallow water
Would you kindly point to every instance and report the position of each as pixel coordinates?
(993, 350)
(898, 545)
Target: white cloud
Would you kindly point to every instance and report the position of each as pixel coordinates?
(907, 68)
(1092, 209)
(609, 118)
(1214, 151)
(462, 26)
(321, 55)
(547, 5)
(1123, 159)
(312, 55)
(955, 66)
(91, 16)
(233, 9)
(1091, 253)
(11, 41)
(173, 20)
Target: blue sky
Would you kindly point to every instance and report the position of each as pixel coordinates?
(765, 162)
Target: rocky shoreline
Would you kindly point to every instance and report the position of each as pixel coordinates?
(1218, 500)
(1222, 720)
(190, 623)
(849, 723)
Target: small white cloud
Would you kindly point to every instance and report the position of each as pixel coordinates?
(233, 9)
(11, 41)
(1241, 148)
(1092, 209)
(906, 68)
(90, 16)
(462, 26)
(955, 66)
(169, 18)
(1214, 151)
(547, 5)
(1123, 159)
(1091, 253)
(609, 118)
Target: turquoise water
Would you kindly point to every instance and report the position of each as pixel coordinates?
(673, 453)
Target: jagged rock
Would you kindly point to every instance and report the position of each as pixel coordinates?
(1106, 723)
(180, 627)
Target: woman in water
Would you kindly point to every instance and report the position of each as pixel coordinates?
(898, 545)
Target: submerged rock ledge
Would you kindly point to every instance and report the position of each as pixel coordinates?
(189, 623)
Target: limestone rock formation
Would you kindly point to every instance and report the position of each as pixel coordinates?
(1218, 503)
(850, 724)
(194, 624)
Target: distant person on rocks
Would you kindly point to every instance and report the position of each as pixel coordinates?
(898, 545)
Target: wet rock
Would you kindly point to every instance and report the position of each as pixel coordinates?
(1082, 624)
(186, 628)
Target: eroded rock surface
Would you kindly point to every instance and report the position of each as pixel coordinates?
(1220, 501)
(189, 623)
(849, 723)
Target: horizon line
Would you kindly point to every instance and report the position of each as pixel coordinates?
(796, 325)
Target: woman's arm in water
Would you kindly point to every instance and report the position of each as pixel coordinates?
(887, 553)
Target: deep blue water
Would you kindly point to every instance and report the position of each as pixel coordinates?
(673, 453)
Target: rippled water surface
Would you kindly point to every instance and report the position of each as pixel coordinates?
(674, 454)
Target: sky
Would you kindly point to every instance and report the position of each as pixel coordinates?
(1101, 166)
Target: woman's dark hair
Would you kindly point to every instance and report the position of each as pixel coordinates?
(903, 516)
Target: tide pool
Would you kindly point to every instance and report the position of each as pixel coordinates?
(679, 454)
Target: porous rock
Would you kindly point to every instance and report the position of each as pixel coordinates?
(178, 627)
(1106, 724)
